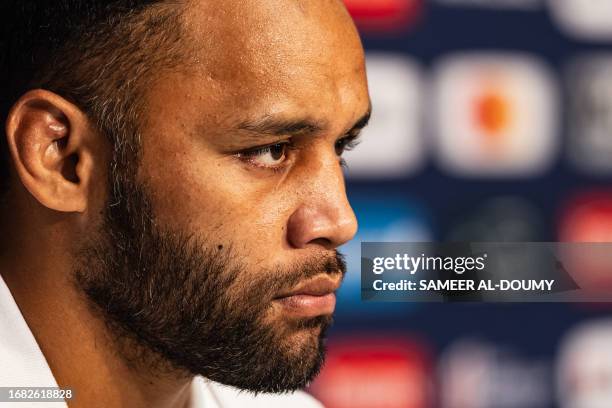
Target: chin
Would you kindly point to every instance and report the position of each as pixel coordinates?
(305, 336)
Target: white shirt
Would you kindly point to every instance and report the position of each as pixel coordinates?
(22, 364)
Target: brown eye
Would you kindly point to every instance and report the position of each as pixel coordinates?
(269, 156)
(277, 152)
(340, 145)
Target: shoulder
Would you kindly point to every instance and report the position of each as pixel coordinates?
(229, 397)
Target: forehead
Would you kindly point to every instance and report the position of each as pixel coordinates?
(277, 53)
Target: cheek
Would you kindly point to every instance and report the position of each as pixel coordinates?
(273, 215)
(217, 199)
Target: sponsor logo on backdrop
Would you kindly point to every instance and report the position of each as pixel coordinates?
(584, 367)
(385, 15)
(588, 218)
(590, 113)
(495, 115)
(583, 19)
(364, 372)
(478, 374)
(392, 145)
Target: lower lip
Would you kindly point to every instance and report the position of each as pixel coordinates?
(308, 305)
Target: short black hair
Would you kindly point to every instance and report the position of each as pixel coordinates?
(96, 54)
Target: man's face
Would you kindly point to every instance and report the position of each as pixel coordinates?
(242, 196)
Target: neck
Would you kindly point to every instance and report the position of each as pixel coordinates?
(75, 342)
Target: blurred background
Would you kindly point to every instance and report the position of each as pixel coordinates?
(492, 122)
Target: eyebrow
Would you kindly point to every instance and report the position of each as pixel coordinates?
(278, 127)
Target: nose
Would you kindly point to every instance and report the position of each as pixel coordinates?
(324, 217)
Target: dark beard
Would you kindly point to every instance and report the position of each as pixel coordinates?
(175, 302)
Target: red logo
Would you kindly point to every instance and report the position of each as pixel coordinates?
(588, 218)
(374, 372)
(587, 222)
(385, 15)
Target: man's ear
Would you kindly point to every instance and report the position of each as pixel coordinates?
(51, 144)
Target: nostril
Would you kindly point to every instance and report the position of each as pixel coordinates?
(324, 242)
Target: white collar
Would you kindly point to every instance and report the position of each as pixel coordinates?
(22, 363)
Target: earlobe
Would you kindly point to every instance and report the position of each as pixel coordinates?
(48, 141)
